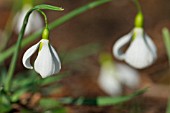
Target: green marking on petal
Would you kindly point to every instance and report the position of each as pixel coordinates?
(134, 36)
(40, 47)
(137, 31)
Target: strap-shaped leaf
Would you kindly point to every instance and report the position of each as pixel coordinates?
(48, 7)
(166, 37)
(102, 101)
(4, 55)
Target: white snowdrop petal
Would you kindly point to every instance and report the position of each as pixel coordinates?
(28, 54)
(128, 76)
(141, 53)
(56, 60)
(108, 82)
(151, 46)
(119, 44)
(138, 54)
(44, 64)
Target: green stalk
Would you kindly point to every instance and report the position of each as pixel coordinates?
(45, 18)
(20, 37)
(17, 49)
(4, 55)
(101, 101)
(136, 2)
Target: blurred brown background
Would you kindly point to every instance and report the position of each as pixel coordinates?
(104, 25)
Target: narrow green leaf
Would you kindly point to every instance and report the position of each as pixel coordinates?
(17, 94)
(4, 100)
(3, 73)
(166, 37)
(102, 101)
(5, 108)
(4, 55)
(52, 79)
(51, 89)
(26, 110)
(25, 78)
(48, 7)
(48, 103)
(58, 110)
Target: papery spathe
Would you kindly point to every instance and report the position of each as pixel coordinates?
(141, 53)
(35, 21)
(47, 62)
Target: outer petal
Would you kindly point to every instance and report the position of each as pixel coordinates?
(44, 64)
(139, 54)
(56, 60)
(151, 46)
(119, 44)
(108, 81)
(28, 54)
(128, 76)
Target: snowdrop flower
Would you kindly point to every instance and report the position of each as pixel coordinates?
(113, 75)
(35, 21)
(141, 53)
(47, 62)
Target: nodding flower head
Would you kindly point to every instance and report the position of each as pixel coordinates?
(113, 75)
(35, 21)
(47, 62)
(141, 52)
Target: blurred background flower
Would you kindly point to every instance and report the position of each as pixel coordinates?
(35, 21)
(114, 75)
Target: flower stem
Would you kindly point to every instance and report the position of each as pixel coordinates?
(15, 56)
(45, 18)
(137, 4)
(18, 46)
(20, 37)
(4, 55)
